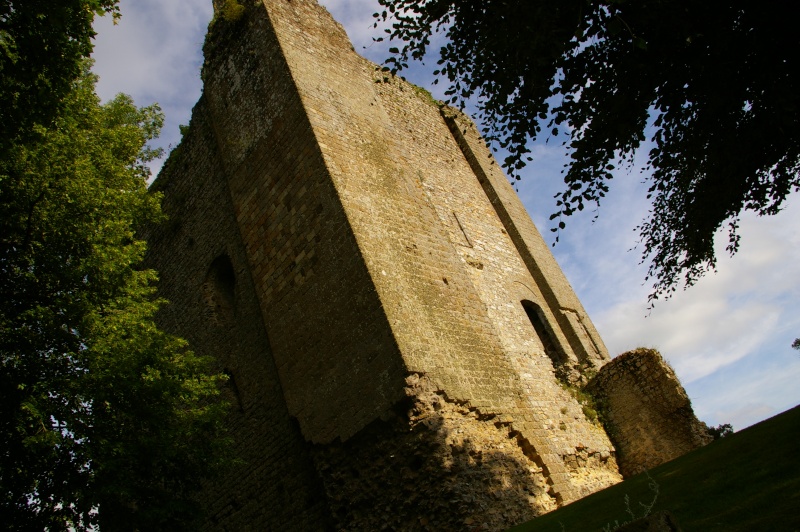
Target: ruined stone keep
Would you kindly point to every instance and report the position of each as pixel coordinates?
(393, 325)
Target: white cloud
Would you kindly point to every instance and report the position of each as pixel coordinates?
(154, 50)
(728, 313)
(746, 308)
(728, 337)
(154, 55)
(762, 384)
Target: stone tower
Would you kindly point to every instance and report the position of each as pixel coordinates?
(391, 320)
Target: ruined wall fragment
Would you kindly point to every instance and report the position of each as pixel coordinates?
(646, 411)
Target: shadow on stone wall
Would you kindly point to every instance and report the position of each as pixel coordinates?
(433, 464)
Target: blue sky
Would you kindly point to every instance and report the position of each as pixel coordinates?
(728, 337)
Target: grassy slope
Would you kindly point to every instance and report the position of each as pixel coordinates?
(747, 481)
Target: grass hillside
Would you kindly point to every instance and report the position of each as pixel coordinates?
(747, 481)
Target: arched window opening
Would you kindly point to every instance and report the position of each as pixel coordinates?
(544, 332)
(219, 291)
(231, 390)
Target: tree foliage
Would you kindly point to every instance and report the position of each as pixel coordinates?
(721, 431)
(104, 418)
(716, 86)
(42, 44)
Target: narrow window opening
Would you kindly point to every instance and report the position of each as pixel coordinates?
(219, 291)
(544, 332)
(233, 389)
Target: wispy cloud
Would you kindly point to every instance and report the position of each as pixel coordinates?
(748, 310)
(154, 54)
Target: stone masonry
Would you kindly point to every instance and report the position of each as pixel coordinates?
(391, 321)
(647, 412)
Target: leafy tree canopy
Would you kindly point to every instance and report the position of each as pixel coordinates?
(104, 419)
(715, 84)
(42, 44)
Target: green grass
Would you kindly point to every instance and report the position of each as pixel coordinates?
(747, 481)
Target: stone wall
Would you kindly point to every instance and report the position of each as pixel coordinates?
(646, 411)
(450, 278)
(575, 336)
(391, 319)
(204, 273)
(336, 357)
(436, 464)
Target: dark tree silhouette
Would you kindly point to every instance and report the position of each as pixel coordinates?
(715, 84)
